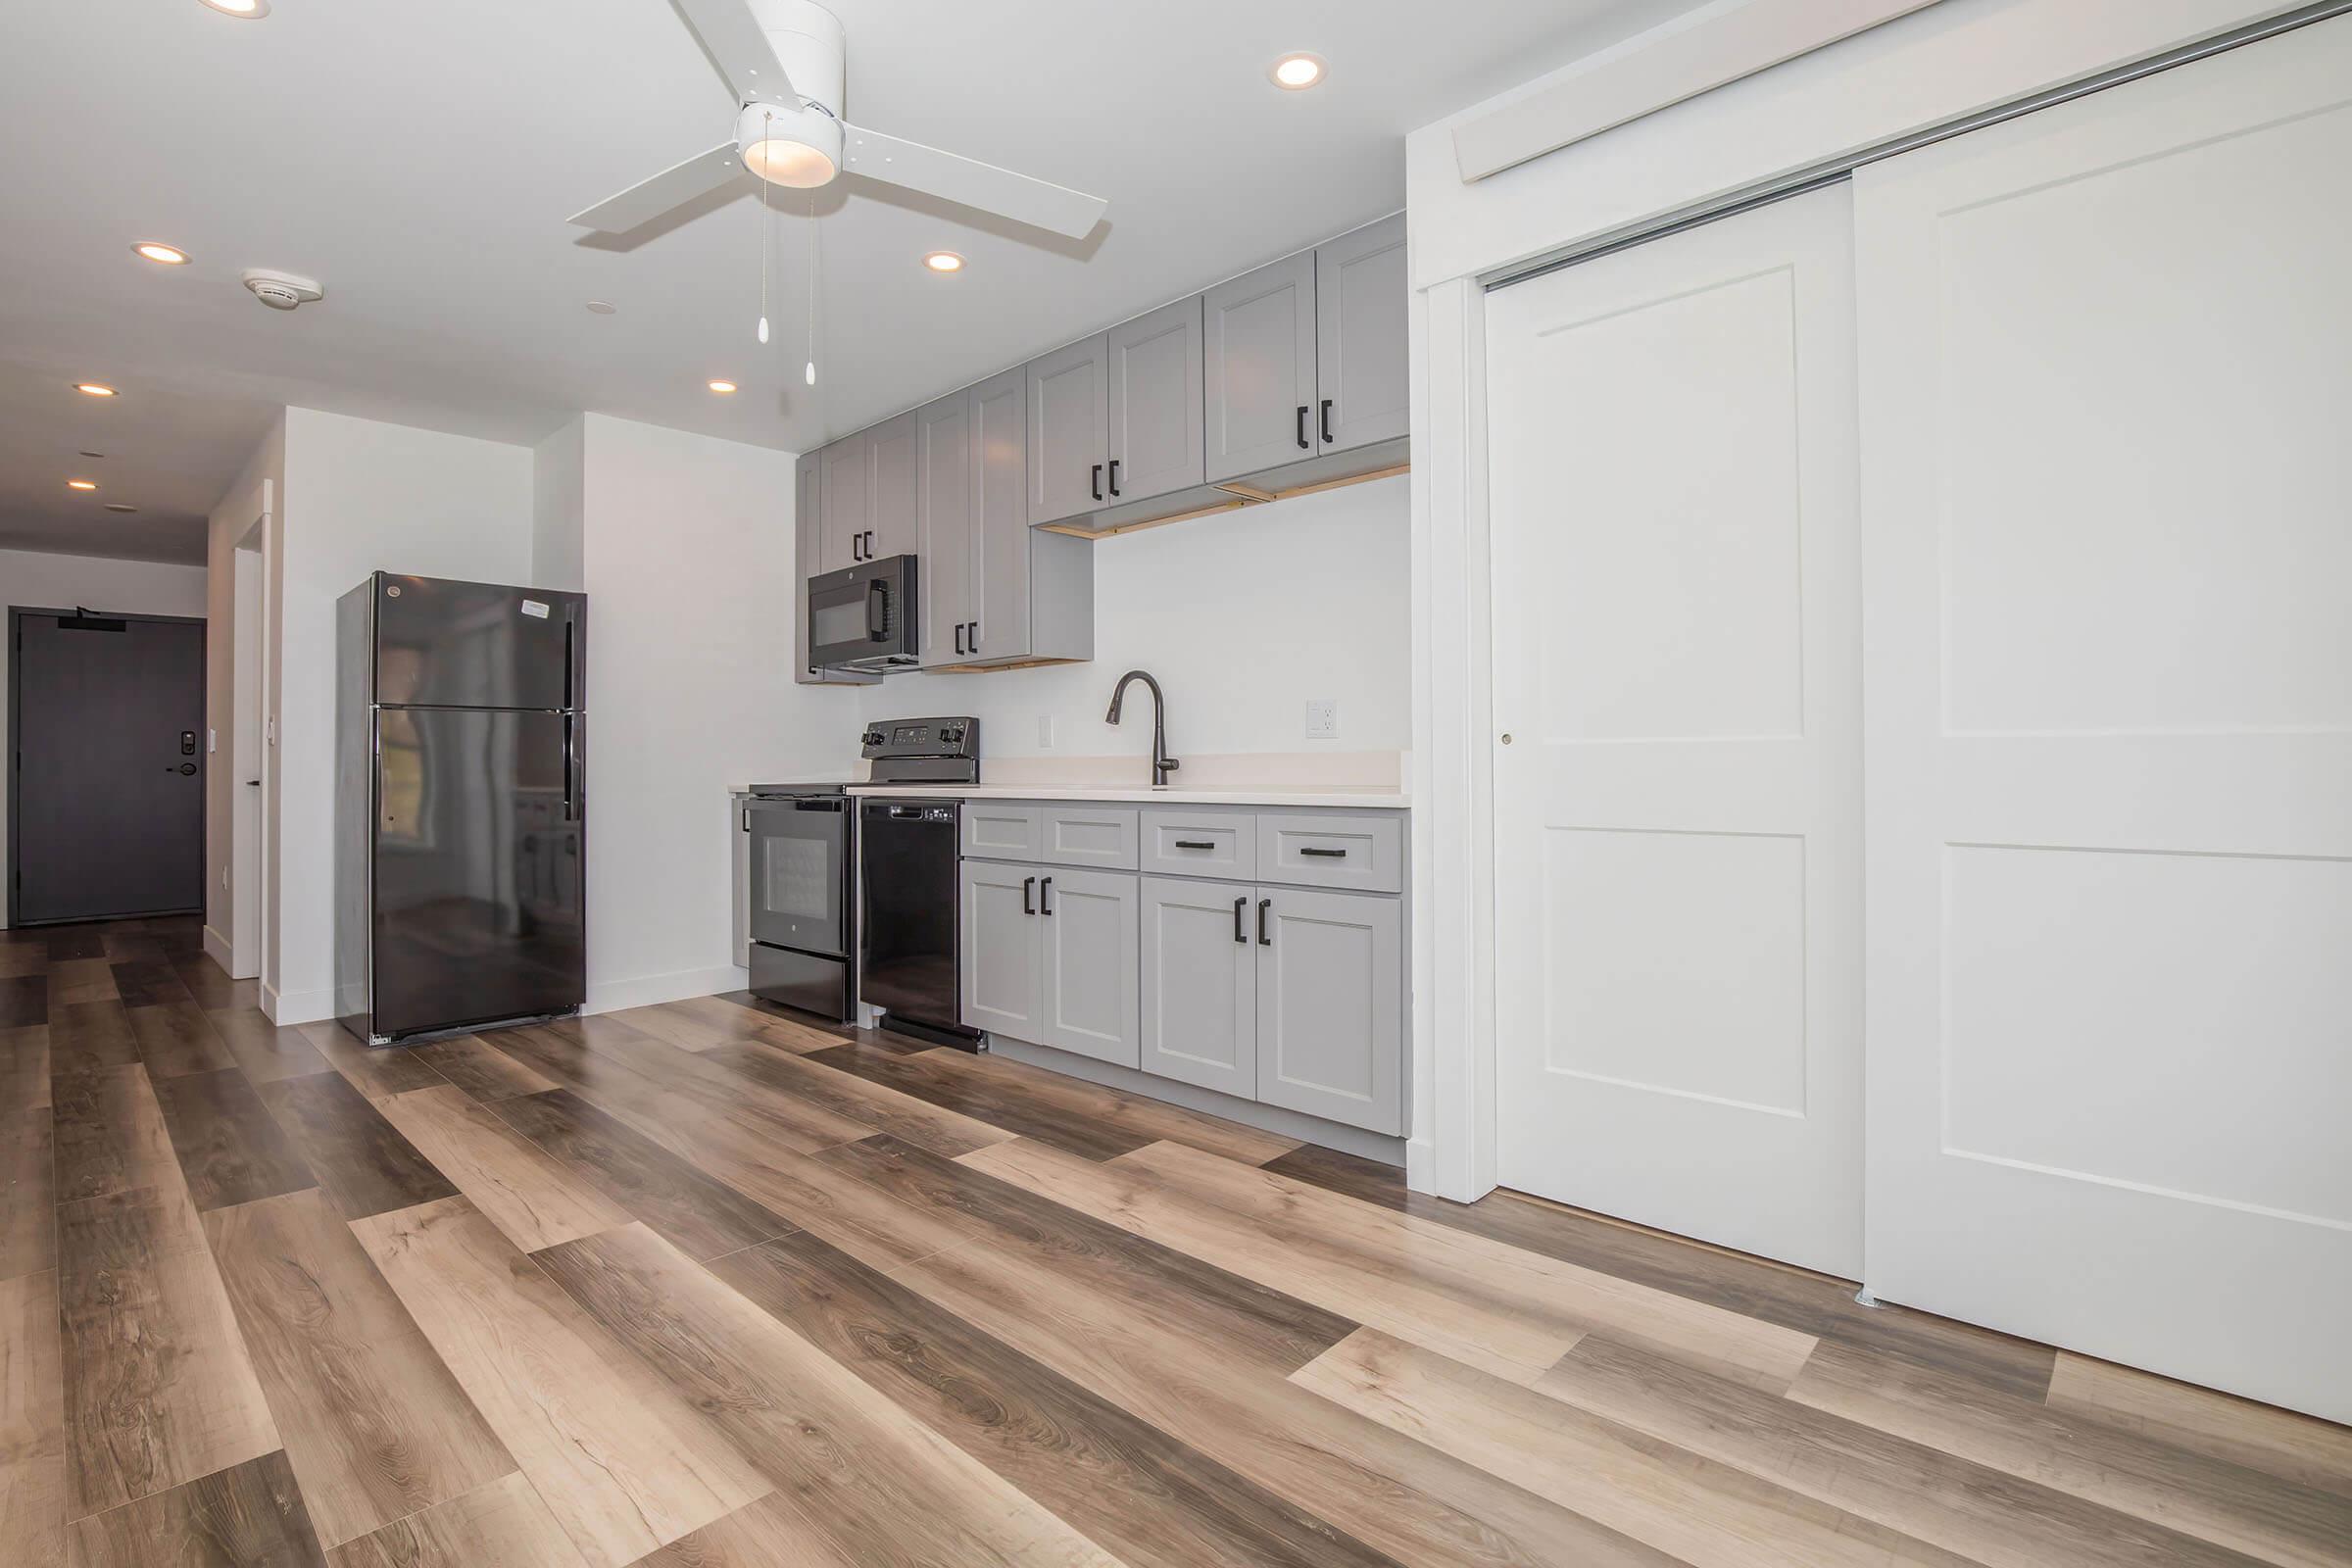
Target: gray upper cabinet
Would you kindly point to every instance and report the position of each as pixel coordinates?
(998, 949)
(892, 525)
(848, 495)
(944, 535)
(1331, 1005)
(1090, 963)
(1258, 356)
(1069, 430)
(1360, 381)
(1199, 984)
(1153, 379)
(809, 555)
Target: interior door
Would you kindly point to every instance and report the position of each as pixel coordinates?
(1677, 779)
(108, 793)
(1154, 383)
(2106, 358)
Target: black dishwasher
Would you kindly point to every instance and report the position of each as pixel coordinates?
(908, 905)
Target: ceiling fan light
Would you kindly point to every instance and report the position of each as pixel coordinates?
(789, 163)
(800, 149)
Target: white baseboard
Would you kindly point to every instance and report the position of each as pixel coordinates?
(297, 1006)
(1420, 1166)
(611, 996)
(216, 949)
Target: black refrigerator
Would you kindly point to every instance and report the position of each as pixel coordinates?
(459, 809)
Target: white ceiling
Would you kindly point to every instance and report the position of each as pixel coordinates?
(419, 157)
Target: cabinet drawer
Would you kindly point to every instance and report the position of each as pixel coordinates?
(1099, 836)
(996, 831)
(1199, 842)
(1362, 854)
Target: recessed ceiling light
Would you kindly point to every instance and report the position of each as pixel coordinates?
(81, 484)
(163, 255)
(944, 262)
(602, 307)
(117, 505)
(722, 386)
(1298, 72)
(240, 8)
(93, 389)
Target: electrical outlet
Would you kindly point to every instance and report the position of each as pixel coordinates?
(1322, 718)
(1045, 731)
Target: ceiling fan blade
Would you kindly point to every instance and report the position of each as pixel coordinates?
(732, 38)
(969, 183)
(674, 186)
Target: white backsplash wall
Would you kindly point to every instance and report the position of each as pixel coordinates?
(1242, 617)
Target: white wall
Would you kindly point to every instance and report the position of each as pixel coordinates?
(557, 476)
(232, 516)
(1242, 618)
(686, 550)
(359, 496)
(36, 580)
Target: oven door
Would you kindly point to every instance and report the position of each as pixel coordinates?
(864, 618)
(798, 874)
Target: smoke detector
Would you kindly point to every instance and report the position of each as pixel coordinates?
(281, 291)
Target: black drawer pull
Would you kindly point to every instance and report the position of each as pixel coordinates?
(1195, 844)
(1238, 905)
(1028, 887)
(1326, 855)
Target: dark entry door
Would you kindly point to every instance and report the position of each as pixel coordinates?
(107, 798)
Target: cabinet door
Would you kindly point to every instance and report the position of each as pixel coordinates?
(809, 559)
(1087, 921)
(1360, 379)
(944, 543)
(1331, 1005)
(996, 948)
(895, 481)
(848, 509)
(1069, 425)
(1258, 354)
(1154, 402)
(999, 599)
(1199, 984)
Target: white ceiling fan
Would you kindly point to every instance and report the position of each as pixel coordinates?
(786, 61)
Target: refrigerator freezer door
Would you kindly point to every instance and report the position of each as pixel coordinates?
(443, 643)
(477, 859)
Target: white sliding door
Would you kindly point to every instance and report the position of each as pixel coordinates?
(2106, 357)
(1677, 815)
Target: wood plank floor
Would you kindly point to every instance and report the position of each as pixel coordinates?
(704, 1286)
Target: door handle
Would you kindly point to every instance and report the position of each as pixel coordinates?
(1044, 896)
(972, 638)
(1097, 481)
(960, 636)
(1028, 887)
(1304, 443)
(1327, 438)
(877, 612)
(1264, 940)
(1238, 905)
(1115, 476)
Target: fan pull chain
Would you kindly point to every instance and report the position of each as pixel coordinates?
(767, 124)
(810, 372)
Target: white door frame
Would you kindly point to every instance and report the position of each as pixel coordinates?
(1922, 71)
(248, 823)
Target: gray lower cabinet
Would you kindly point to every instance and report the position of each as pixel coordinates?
(1069, 430)
(1361, 385)
(998, 952)
(1152, 372)
(1331, 1005)
(1199, 984)
(1259, 369)
(1087, 980)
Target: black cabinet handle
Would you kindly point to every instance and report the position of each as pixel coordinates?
(1327, 421)
(1028, 887)
(747, 819)
(1115, 476)
(1238, 906)
(1195, 844)
(960, 637)
(1097, 481)
(1044, 896)
(1304, 443)
(971, 637)
(1326, 855)
(869, 544)
(1264, 940)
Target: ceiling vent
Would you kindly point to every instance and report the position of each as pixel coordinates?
(283, 291)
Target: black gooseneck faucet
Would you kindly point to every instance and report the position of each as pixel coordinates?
(1162, 765)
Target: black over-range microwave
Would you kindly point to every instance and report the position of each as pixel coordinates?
(865, 616)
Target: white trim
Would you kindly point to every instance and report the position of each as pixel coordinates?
(612, 995)
(284, 1007)
(1693, 54)
(1907, 76)
(216, 949)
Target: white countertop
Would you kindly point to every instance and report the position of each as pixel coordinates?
(1177, 794)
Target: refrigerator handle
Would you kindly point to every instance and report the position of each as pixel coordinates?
(572, 755)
